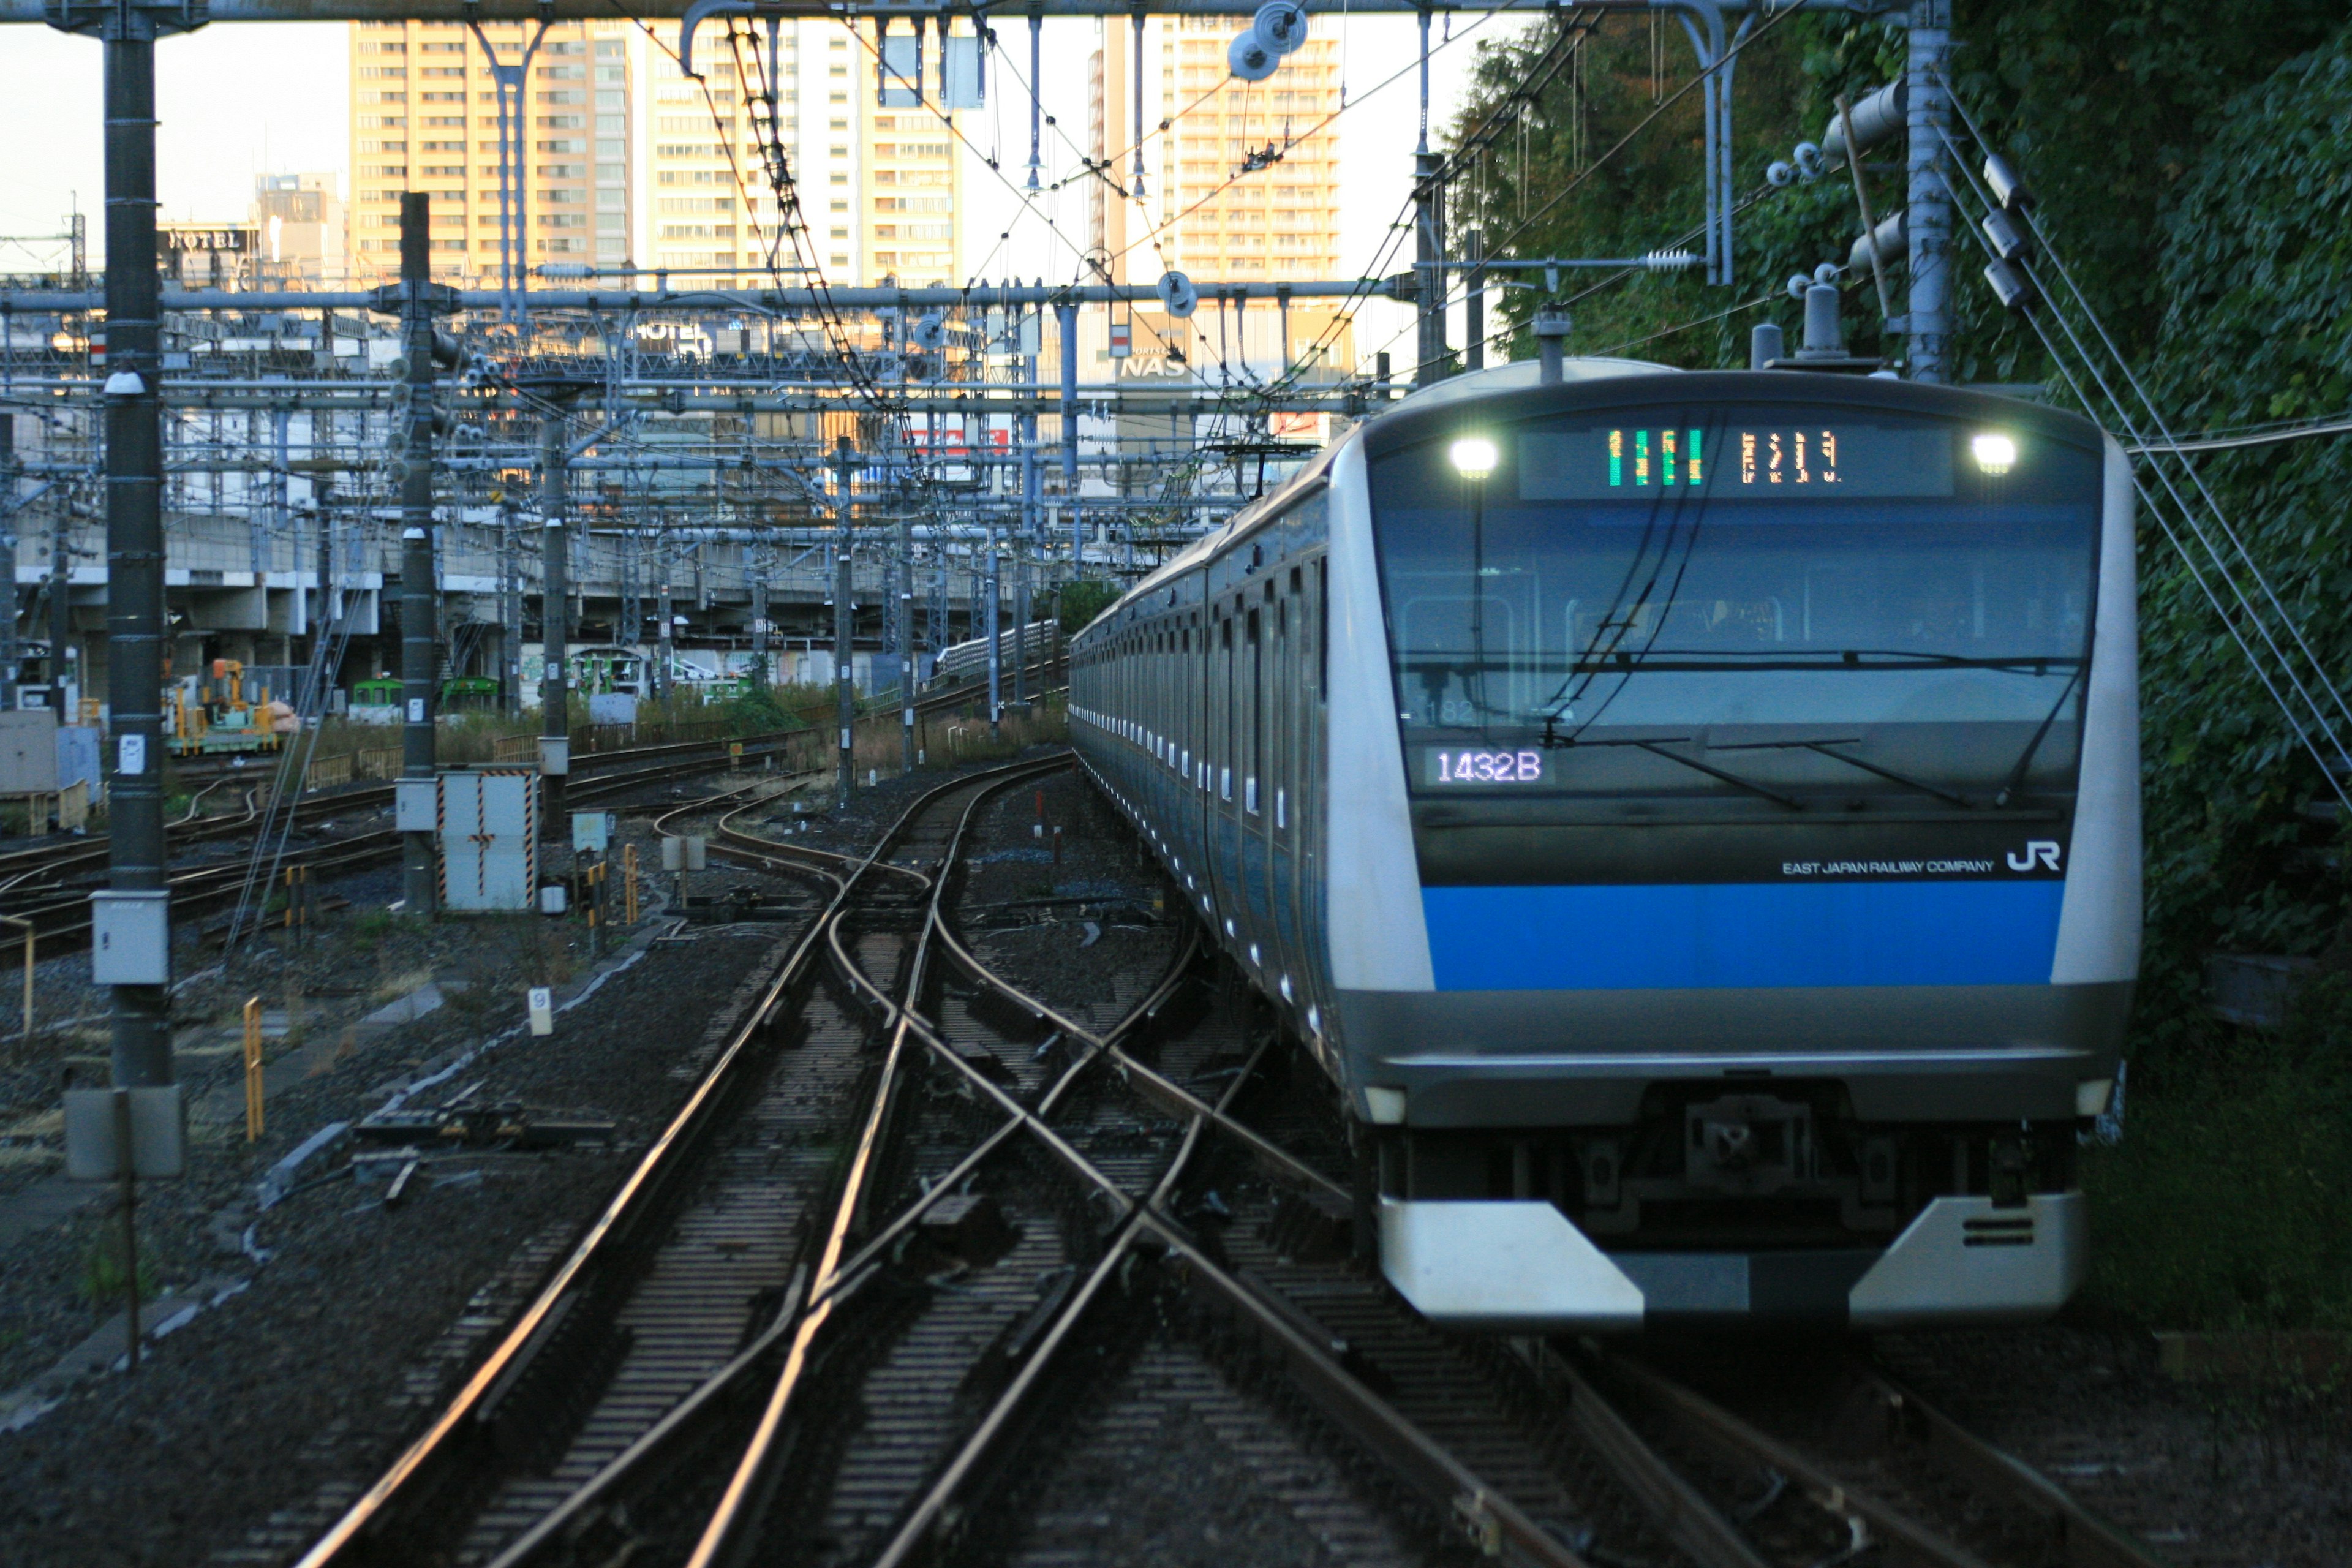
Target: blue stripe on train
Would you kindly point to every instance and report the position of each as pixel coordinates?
(1605, 938)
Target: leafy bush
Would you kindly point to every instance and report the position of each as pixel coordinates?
(1082, 602)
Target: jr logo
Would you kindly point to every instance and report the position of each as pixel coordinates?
(2038, 852)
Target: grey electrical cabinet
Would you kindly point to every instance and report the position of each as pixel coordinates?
(28, 752)
(489, 839)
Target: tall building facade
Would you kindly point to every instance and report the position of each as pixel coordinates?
(1242, 186)
(630, 162)
(298, 222)
(878, 186)
(425, 117)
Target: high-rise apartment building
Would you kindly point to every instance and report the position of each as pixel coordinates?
(629, 160)
(425, 117)
(877, 185)
(1243, 186)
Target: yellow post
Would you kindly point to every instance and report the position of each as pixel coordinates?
(253, 1069)
(21, 921)
(629, 879)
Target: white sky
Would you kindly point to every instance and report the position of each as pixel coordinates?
(236, 101)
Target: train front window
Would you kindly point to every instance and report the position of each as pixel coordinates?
(1734, 601)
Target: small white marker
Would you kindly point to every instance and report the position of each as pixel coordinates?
(542, 1010)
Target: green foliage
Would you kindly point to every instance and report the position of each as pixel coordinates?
(2105, 106)
(2223, 1205)
(1082, 602)
(761, 710)
(103, 1272)
(2256, 280)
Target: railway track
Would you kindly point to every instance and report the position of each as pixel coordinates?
(50, 897)
(62, 913)
(58, 859)
(924, 1255)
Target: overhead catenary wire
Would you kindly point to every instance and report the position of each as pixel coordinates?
(2314, 716)
(1498, 248)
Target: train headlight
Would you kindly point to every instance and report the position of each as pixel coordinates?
(1995, 454)
(1474, 456)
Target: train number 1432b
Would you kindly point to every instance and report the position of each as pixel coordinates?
(1487, 767)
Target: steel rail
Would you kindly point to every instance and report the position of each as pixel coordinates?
(743, 1500)
(73, 851)
(559, 1522)
(1680, 1511)
(2078, 1537)
(932, 1510)
(196, 888)
(1278, 1162)
(1409, 1452)
(440, 1444)
(1717, 1428)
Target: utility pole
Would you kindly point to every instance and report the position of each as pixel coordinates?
(995, 640)
(8, 552)
(1028, 530)
(61, 605)
(662, 644)
(906, 636)
(1429, 272)
(1067, 317)
(844, 507)
(510, 609)
(761, 675)
(1474, 311)
(554, 613)
(419, 604)
(1428, 242)
(134, 531)
(1927, 220)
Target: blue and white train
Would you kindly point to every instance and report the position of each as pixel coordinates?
(1693, 818)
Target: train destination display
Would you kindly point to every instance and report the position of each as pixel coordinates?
(1760, 461)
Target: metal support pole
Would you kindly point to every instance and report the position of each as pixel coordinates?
(1134, 90)
(905, 639)
(844, 623)
(760, 674)
(8, 553)
(1429, 255)
(1927, 216)
(1030, 484)
(1474, 311)
(134, 524)
(665, 645)
(1066, 317)
(1036, 108)
(995, 641)
(510, 609)
(419, 603)
(554, 613)
(61, 605)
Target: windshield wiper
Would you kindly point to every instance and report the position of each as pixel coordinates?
(1656, 748)
(1823, 746)
(2018, 769)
